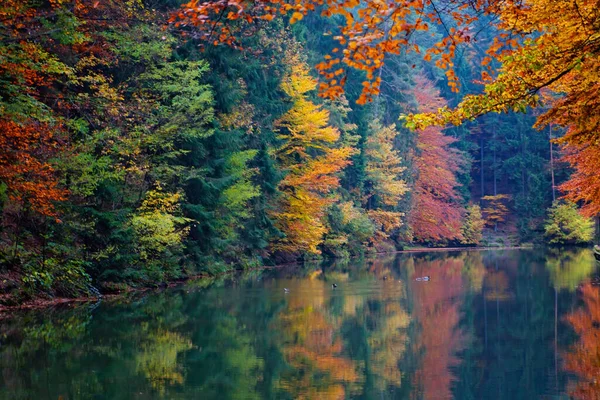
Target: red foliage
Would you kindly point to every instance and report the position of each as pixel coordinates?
(24, 168)
(435, 215)
(584, 184)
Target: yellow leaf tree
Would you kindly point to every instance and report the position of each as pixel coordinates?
(384, 187)
(311, 160)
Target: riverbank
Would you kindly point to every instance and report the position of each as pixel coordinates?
(9, 303)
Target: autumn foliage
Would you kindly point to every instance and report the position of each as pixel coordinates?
(549, 58)
(584, 184)
(385, 187)
(312, 162)
(437, 213)
(495, 210)
(24, 168)
(367, 32)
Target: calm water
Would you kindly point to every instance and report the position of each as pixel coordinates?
(488, 325)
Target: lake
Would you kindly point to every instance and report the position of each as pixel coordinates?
(512, 324)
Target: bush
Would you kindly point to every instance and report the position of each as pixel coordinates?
(65, 278)
(566, 226)
(349, 230)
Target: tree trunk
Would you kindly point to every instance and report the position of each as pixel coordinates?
(552, 166)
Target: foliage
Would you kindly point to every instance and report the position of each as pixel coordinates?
(436, 214)
(384, 168)
(555, 49)
(366, 32)
(566, 226)
(473, 224)
(384, 187)
(159, 229)
(24, 168)
(495, 210)
(569, 267)
(130, 156)
(311, 161)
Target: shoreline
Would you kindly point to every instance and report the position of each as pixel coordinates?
(41, 303)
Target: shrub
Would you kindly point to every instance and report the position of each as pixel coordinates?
(566, 226)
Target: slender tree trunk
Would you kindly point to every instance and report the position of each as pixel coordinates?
(523, 172)
(494, 165)
(556, 337)
(495, 174)
(17, 237)
(481, 179)
(552, 166)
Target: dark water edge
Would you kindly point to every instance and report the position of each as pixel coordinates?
(10, 304)
(493, 324)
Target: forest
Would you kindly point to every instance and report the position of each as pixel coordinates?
(148, 141)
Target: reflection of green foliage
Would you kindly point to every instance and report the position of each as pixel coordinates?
(238, 337)
(568, 268)
(158, 358)
(474, 270)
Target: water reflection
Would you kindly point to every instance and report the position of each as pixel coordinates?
(488, 325)
(584, 356)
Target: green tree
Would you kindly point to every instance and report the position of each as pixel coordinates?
(566, 226)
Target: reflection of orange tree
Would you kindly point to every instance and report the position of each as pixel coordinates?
(437, 309)
(313, 348)
(584, 357)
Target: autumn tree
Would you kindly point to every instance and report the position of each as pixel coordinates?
(495, 210)
(28, 177)
(366, 32)
(583, 185)
(473, 224)
(541, 44)
(30, 133)
(384, 186)
(311, 160)
(566, 226)
(548, 57)
(436, 214)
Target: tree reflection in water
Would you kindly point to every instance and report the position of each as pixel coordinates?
(486, 326)
(584, 356)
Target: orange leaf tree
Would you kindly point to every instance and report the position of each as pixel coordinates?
(311, 160)
(496, 210)
(24, 169)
